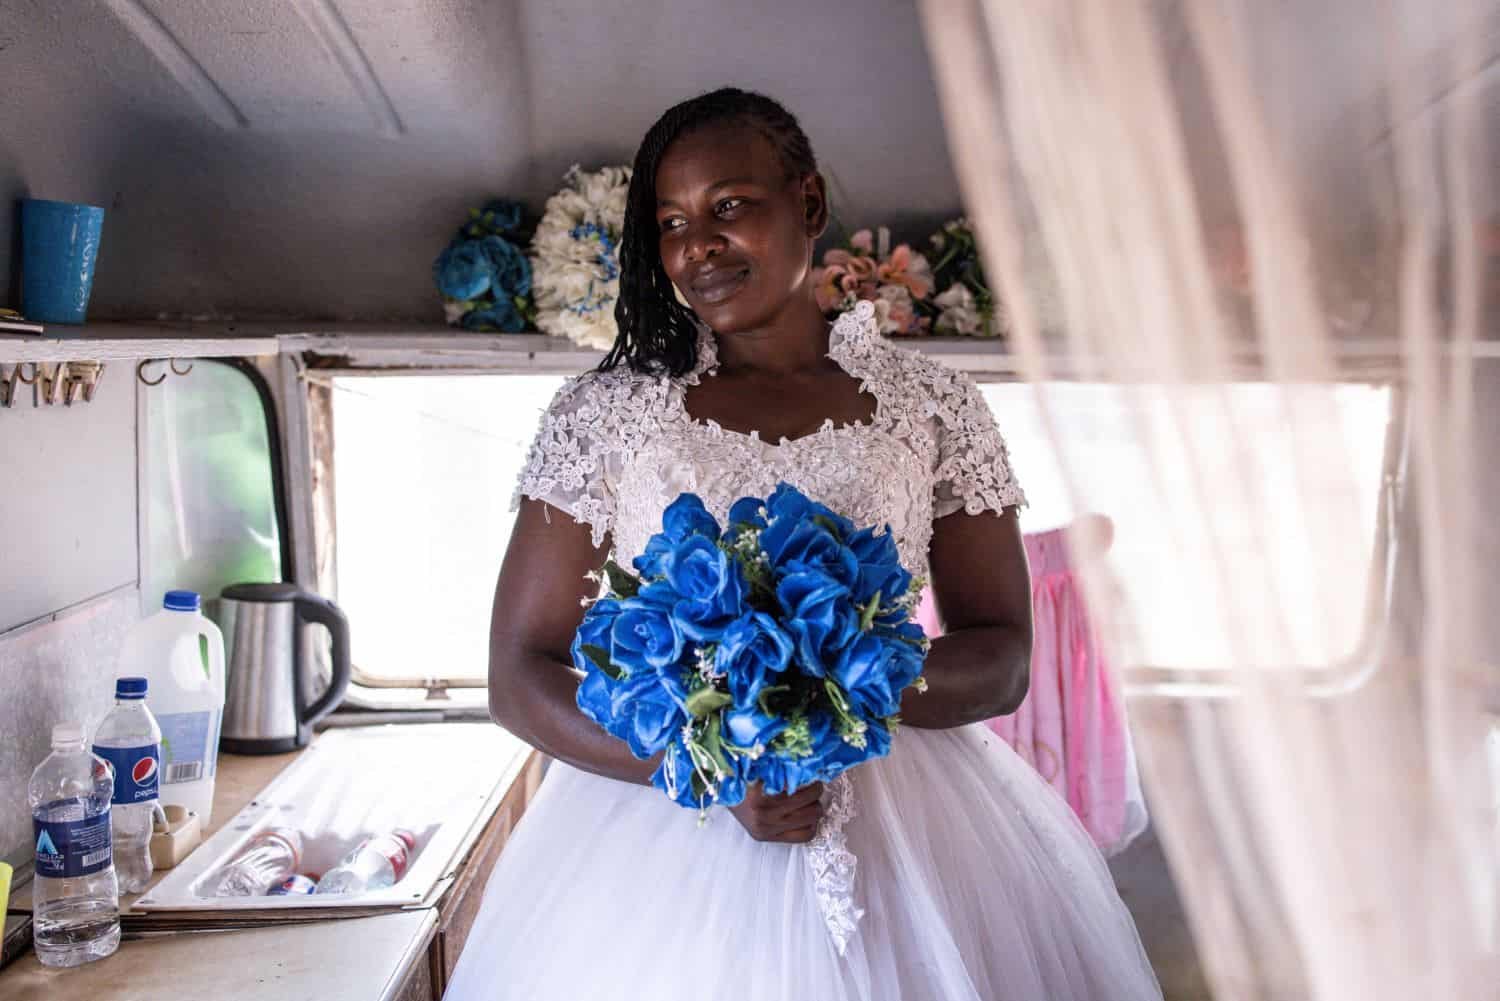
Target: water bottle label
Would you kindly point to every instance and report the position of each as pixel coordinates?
(136, 772)
(69, 848)
(188, 742)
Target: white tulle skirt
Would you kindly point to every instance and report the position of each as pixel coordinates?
(976, 881)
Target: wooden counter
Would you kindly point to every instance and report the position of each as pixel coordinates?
(403, 956)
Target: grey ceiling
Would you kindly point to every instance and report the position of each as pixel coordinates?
(310, 157)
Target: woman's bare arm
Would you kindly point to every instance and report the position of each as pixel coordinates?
(538, 606)
(980, 667)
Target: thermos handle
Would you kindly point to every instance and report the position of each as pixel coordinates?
(325, 613)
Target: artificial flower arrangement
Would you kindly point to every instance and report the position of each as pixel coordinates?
(484, 277)
(575, 257)
(901, 283)
(897, 280)
(775, 649)
(966, 306)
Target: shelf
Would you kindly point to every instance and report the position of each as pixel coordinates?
(137, 341)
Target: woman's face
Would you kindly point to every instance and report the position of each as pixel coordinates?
(736, 233)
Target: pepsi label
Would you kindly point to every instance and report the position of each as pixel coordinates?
(137, 778)
(69, 848)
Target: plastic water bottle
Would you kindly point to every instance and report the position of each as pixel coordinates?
(75, 901)
(187, 695)
(374, 865)
(267, 861)
(130, 740)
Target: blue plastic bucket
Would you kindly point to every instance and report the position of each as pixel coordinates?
(59, 244)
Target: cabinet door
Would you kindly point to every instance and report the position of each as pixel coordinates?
(461, 905)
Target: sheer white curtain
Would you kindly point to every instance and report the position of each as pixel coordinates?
(1177, 199)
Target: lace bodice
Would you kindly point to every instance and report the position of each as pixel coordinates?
(615, 448)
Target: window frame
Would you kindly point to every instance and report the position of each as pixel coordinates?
(309, 363)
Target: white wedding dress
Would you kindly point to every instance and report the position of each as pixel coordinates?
(973, 877)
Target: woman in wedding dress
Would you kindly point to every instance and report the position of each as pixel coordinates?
(971, 878)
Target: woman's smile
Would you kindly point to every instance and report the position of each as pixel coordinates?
(716, 284)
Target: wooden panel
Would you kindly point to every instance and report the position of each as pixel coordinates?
(460, 907)
(420, 984)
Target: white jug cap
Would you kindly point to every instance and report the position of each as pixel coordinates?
(67, 734)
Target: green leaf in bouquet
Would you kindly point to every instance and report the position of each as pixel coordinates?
(868, 613)
(600, 658)
(796, 740)
(776, 700)
(707, 700)
(713, 743)
(621, 581)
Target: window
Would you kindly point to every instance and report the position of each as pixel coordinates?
(425, 464)
(209, 487)
(424, 469)
(1100, 427)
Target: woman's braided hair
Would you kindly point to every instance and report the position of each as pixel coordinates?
(657, 334)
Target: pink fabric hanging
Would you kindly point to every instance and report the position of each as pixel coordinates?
(1071, 727)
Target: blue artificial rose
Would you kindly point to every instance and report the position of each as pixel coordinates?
(684, 517)
(708, 586)
(780, 775)
(786, 501)
(682, 783)
(747, 511)
(594, 631)
(747, 727)
(874, 670)
(731, 791)
(674, 776)
(752, 651)
(595, 702)
(781, 772)
(499, 314)
(835, 755)
(654, 716)
(880, 569)
(509, 268)
(644, 638)
(687, 516)
(463, 270)
(809, 546)
(819, 616)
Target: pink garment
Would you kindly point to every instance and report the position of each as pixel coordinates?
(1071, 726)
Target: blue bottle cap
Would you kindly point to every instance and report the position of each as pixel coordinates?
(181, 601)
(130, 688)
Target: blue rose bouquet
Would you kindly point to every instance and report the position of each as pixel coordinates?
(774, 650)
(484, 277)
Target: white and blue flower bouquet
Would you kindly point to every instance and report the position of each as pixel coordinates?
(775, 650)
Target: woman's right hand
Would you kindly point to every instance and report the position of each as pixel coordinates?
(791, 819)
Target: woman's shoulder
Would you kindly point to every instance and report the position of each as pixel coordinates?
(898, 372)
(916, 384)
(609, 399)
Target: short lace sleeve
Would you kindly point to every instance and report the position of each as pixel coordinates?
(577, 448)
(973, 466)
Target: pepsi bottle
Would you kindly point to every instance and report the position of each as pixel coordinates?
(130, 740)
